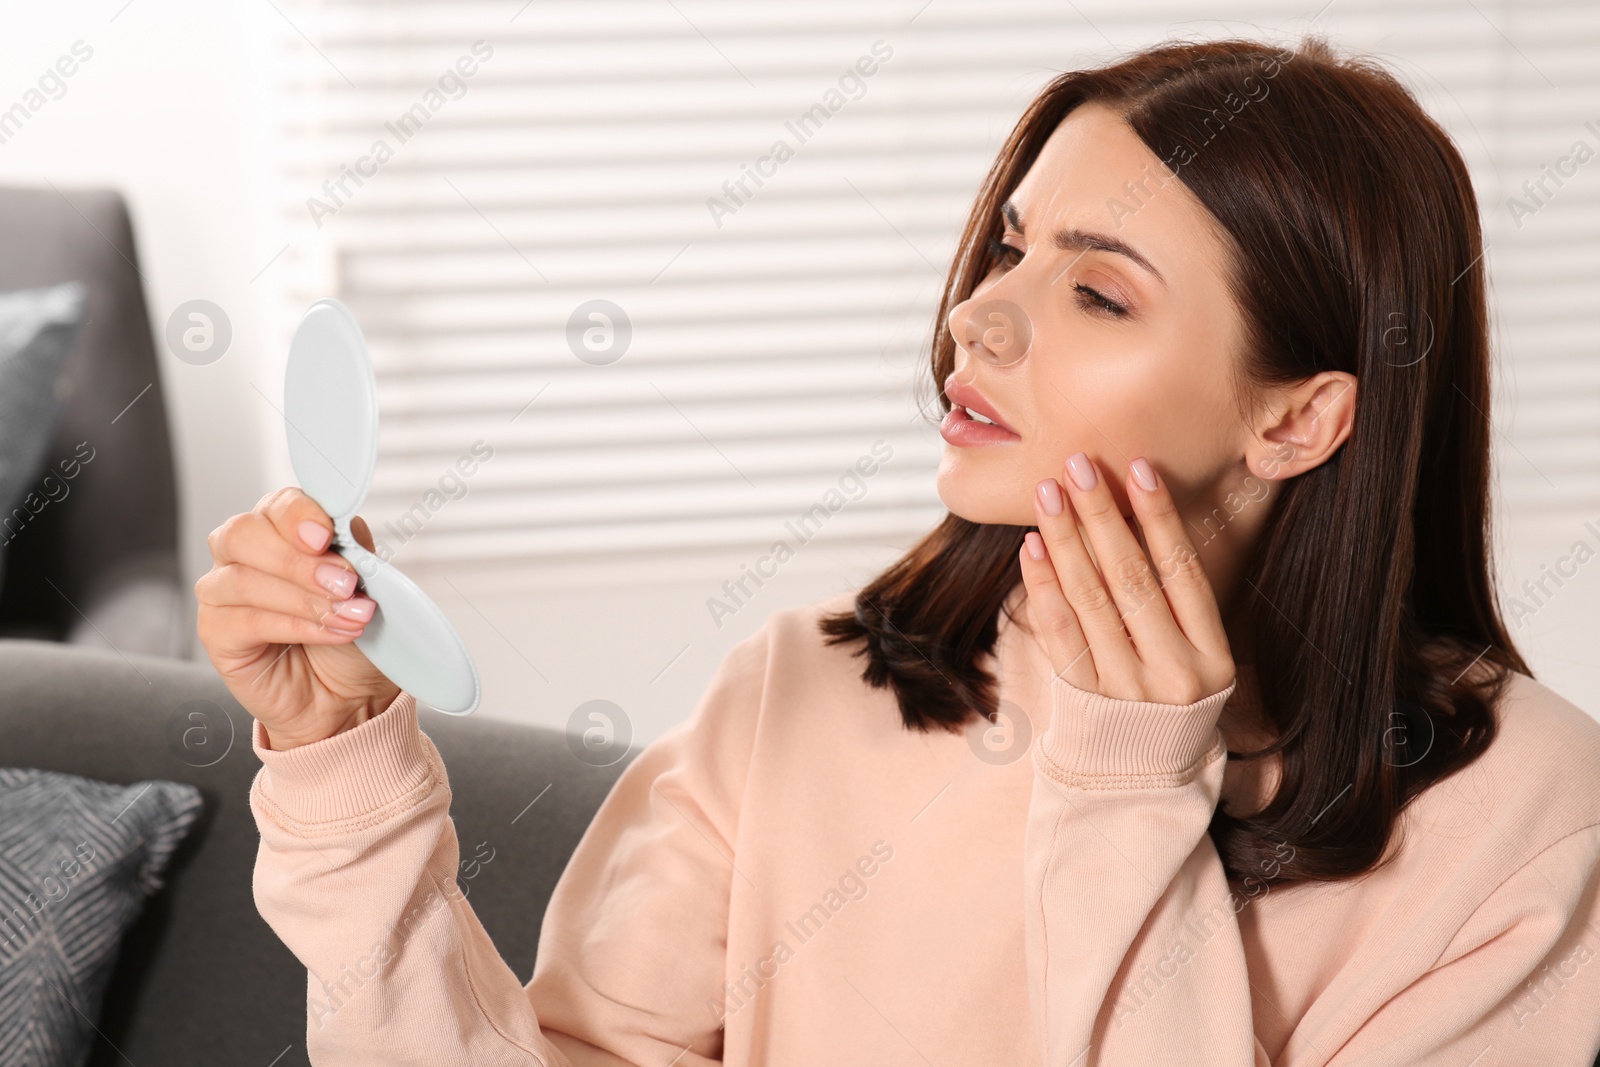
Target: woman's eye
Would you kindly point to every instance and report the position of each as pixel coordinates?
(1007, 256)
(1091, 298)
(1004, 253)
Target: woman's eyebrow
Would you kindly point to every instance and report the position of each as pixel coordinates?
(1076, 240)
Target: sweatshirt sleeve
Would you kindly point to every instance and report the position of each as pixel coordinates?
(1134, 952)
(1135, 955)
(356, 873)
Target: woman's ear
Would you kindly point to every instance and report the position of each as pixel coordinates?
(1301, 425)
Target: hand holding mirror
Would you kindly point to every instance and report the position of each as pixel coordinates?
(330, 409)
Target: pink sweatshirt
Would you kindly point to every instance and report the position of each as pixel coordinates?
(791, 877)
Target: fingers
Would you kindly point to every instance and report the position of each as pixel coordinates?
(1186, 589)
(298, 519)
(1126, 573)
(270, 579)
(1151, 632)
(1070, 584)
(274, 539)
(1053, 619)
(237, 585)
(274, 628)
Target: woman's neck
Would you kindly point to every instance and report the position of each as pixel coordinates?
(1225, 520)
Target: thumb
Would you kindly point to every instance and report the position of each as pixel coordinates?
(358, 527)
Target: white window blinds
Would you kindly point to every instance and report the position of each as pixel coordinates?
(764, 198)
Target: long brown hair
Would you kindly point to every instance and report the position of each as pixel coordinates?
(1356, 247)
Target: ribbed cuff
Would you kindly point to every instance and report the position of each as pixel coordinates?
(348, 775)
(1102, 742)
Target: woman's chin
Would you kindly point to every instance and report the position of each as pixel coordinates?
(982, 499)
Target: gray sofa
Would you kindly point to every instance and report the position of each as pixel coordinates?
(201, 979)
(100, 565)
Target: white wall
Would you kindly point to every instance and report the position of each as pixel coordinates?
(172, 109)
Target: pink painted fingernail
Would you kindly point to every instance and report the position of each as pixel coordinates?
(1143, 475)
(336, 580)
(1050, 497)
(359, 609)
(315, 535)
(1081, 471)
(1035, 544)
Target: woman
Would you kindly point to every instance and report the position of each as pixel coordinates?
(1231, 762)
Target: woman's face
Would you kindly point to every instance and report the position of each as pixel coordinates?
(1126, 358)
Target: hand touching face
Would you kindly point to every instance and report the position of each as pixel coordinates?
(1138, 626)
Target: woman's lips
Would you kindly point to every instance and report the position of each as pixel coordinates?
(963, 431)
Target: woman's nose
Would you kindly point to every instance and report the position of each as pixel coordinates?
(993, 329)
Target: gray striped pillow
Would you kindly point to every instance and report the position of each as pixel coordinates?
(77, 860)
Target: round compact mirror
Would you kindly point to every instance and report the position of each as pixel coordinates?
(330, 413)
